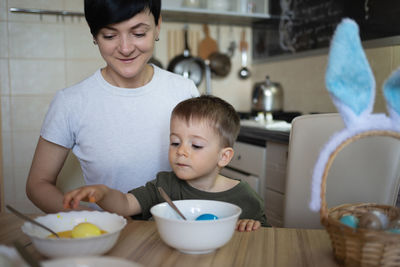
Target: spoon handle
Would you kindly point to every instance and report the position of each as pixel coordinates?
(169, 201)
(26, 218)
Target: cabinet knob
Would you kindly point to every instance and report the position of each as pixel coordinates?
(239, 157)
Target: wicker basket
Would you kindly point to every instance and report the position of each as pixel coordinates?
(359, 247)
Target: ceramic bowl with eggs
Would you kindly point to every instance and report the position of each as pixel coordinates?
(193, 236)
(82, 233)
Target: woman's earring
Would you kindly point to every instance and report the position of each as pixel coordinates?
(94, 42)
(157, 39)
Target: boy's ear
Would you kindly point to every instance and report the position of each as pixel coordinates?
(225, 156)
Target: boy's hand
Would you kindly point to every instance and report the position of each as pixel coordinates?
(246, 225)
(91, 193)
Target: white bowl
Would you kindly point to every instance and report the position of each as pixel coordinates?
(75, 247)
(191, 236)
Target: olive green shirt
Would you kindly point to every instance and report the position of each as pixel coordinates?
(241, 195)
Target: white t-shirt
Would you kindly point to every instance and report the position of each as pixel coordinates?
(119, 135)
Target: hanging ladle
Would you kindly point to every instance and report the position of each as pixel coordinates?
(169, 201)
(26, 218)
(244, 72)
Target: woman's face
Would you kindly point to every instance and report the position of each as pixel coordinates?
(127, 46)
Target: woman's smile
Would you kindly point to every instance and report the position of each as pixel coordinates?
(127, 60)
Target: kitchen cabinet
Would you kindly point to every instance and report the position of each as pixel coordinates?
(248, 165)
(236, 12)
(264, 168)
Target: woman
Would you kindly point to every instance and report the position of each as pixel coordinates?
(116, 121)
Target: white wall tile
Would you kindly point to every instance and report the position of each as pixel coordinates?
(78, 70)
(8, 167)
(36, 77)
(3, 40)
(79, 43)
(73, 5)
(24, 145)
(27, 113)
(20, 176)
(33, 40)
(5, 114)
(36, 4)
(3, 10)
(22, 202)
(4, 77)
(39, 4)
(26, 206)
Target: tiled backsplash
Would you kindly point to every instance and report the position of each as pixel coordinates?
(40, 55)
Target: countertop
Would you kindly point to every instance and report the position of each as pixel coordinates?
(260, 136)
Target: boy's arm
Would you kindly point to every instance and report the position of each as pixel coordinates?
(108, 199)
(120, 203)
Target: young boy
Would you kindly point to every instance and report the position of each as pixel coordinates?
(202, 134)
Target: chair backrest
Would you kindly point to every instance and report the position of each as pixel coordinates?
(367, 170)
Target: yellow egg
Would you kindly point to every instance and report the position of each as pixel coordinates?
(85, 230)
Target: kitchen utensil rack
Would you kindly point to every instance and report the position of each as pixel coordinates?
(41, 12)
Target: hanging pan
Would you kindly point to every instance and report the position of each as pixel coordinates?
(187, 65)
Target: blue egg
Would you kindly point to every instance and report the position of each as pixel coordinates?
(206, 217)
(349, 220)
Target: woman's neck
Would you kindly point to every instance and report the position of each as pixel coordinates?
(139, 80)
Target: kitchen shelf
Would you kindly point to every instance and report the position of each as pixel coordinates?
(180, 11)
(174, 14)
(198, 15)
(45, 12)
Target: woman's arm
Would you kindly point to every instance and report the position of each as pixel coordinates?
(41, 187)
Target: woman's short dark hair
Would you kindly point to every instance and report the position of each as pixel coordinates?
(219, 114)
(100, 13)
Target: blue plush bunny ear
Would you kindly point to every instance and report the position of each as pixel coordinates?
(349, 78)
(391, 91)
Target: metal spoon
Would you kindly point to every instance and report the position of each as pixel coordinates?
(169, 201)
(26, 218)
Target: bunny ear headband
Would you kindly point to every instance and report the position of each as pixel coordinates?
(351, 85)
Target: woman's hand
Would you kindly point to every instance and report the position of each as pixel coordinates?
(247, 225)
(91, 193)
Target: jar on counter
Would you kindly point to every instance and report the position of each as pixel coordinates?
(191, 3)
(246, 6)
(221, 5)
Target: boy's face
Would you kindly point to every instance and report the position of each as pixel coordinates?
(194, 150)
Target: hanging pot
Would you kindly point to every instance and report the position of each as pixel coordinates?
(220, 63)
(187, 65)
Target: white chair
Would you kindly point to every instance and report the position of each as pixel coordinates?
(367, 170)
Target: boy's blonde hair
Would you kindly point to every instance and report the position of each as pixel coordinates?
(219, 114)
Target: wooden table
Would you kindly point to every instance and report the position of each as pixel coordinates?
(140, 242)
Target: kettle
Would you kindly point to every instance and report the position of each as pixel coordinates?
(267, 96)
